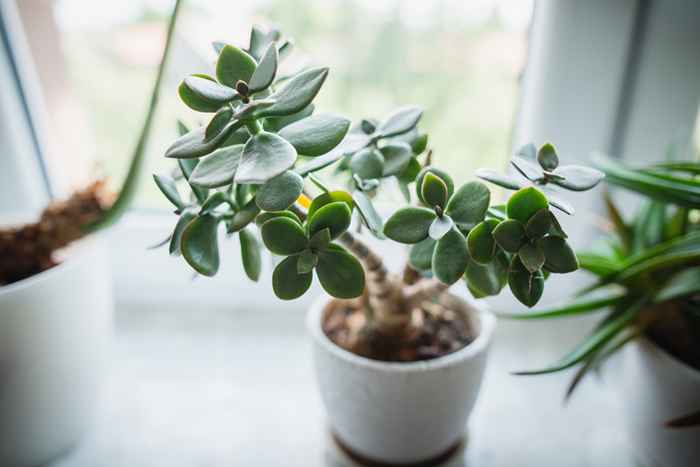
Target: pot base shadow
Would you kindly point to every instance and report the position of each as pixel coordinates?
(438, 460)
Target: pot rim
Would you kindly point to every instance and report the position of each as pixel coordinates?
(668, 358)
(76, 250)
(487, 325)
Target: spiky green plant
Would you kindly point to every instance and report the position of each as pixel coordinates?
(29, 249)
(647, 272)
(251, 164)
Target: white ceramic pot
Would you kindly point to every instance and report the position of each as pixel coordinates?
(399, 413)
(55, 328)
(658, 388)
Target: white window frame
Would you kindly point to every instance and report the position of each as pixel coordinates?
(613, 96)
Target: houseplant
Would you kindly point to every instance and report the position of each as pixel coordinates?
(56, 310)
(648, 279)
(382, 343)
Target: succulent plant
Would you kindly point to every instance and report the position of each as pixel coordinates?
(29, 249)
(255, 163)
(647, 272)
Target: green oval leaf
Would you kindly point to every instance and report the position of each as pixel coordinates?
(243, 217)
(280, 192)
(317, 134)
(531, 256)
(560, 257)
(510, 235)
(524, 203)
(166, 185)
(396, 158)
(250, 254)
(421, 254)
(547, 157)
(287, 283)
(200, 245)
(401, 121)
(539, 224)
(333, 216)
(296, 94)
(340, 273)
(433, 191)
(265, 156)
(306, 261)
(283, 236)
(450, 257)
(218, 123)
(218, 168)
(526, 168)
(409, 225)
(440, 226)
(442, 175)
(504, 181)
(487, 280)
(526, 287)
(577, 177)
(369, 214)
(234, 65)
(203, 94)
(327, 198)
(194, 143)
(367, 163)
(265, 72)
(266, 216)
(481, 243)
(176, 238)
(468, 206)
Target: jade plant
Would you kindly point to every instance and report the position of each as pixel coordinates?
(252, 169)
(647, 272)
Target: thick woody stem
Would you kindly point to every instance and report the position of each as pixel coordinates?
(421, 291)
(384, 291)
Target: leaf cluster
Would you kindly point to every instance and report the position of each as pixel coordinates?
(649, 262)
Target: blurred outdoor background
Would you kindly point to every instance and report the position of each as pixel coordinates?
(460, 60)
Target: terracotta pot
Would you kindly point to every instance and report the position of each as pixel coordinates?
(658, 388)
(55, 328)
(399, 413)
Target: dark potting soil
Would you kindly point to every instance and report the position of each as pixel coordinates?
(441, 332)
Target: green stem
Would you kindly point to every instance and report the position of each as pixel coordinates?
(130, 184)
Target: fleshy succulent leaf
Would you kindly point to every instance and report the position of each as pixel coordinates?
(287, 283)
(283, 236)
(468, 206)
(280, 192)
(547, 157)
(266, 70)
(250, 254)
(401, 121)
(450, 257)
(560, 256)
(481, 243)
(218, 168)
(200, 246)
(317, 134)
(510, 235)
(524, 203)
(409, 225)
(265, 156)
(234, 65)
(340, 273)
(334, 216)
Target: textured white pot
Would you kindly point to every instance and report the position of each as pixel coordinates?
(399, 413)
(658, 388)
(55, 328)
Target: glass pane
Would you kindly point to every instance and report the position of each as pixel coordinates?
(459, 60)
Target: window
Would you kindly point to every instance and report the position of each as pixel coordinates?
(459, 60)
